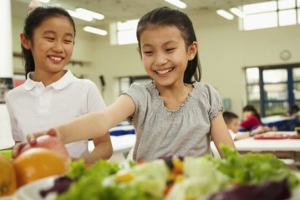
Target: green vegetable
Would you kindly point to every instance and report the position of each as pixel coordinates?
(98, 182)
(253, 168)
(201, 176)
(89, 184)
(148, 177)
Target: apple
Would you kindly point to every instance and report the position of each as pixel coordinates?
(52, 143)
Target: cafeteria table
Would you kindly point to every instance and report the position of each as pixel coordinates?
(282, 148)
(282, 123)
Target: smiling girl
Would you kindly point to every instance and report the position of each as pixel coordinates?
(174, 114)
(52, 95)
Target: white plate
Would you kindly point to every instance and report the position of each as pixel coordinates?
(32, 190)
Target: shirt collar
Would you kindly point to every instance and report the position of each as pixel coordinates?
(63, 82)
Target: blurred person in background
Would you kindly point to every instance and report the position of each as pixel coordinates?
(232, 121)
(251, 119)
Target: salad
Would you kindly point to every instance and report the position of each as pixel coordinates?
(248, 176)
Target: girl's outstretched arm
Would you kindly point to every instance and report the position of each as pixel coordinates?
(220, 133)
(92, 125)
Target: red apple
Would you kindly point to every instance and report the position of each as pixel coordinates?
(52, 143)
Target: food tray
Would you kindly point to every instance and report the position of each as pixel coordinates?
(294, 137)
(271, 137)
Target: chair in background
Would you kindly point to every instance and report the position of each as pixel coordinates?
(283, 125)
(214, 150)
(292, 124)
(130, 155)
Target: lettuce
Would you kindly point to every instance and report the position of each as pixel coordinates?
(89, 183)
(200, 178)
(253, 168)
(148, 177)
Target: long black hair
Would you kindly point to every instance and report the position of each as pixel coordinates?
(166, 16)
(252, 109)
(33, 21)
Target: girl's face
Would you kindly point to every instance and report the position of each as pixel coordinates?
(52, 44)
(247, 114)
(165, 55)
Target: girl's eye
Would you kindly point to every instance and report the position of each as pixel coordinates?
(148, 52)
(50, 38)
(170, 49)
(68, 41)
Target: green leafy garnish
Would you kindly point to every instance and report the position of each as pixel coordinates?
(89, 183)
(253, 168)
(200, 176)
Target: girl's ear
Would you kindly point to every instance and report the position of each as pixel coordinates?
(192, 50)
(25, 41)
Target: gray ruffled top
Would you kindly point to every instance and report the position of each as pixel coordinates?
(161, 132)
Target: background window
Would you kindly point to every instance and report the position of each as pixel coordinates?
(273, 89)
(287, 17)
(126, 32)
(270, 14)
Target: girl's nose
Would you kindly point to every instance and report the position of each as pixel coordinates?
(160, 60)
(58, 47)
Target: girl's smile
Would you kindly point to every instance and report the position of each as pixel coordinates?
(55, 59)
(164, 71)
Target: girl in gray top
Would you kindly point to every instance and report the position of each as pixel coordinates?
(175, 114)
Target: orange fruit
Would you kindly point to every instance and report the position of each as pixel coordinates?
(37, 163)
(8, 183)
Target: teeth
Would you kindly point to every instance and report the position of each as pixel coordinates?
(55, 58)
(163, 71)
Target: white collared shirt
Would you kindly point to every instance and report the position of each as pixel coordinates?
(34, 107)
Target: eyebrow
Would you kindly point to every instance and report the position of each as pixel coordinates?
(166, 43)
(53, 32)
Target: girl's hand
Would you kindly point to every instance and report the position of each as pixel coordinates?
(31, 138)
(17, 149)
(261, 129)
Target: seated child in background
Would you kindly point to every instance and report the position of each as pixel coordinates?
(232, 122)
(293, 111)
(251, 118)
(294, 114)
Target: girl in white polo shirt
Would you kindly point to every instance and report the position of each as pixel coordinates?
(52, 95)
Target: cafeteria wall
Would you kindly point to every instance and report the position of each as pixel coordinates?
(224, 52)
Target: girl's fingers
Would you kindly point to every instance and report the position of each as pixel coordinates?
(31, 138)
(16, 150)
(52, 132)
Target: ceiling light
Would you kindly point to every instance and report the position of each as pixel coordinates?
(80, 15)
(237, 12)
(177, 3)
(225, 14)
(91, 13)
(95, 30)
